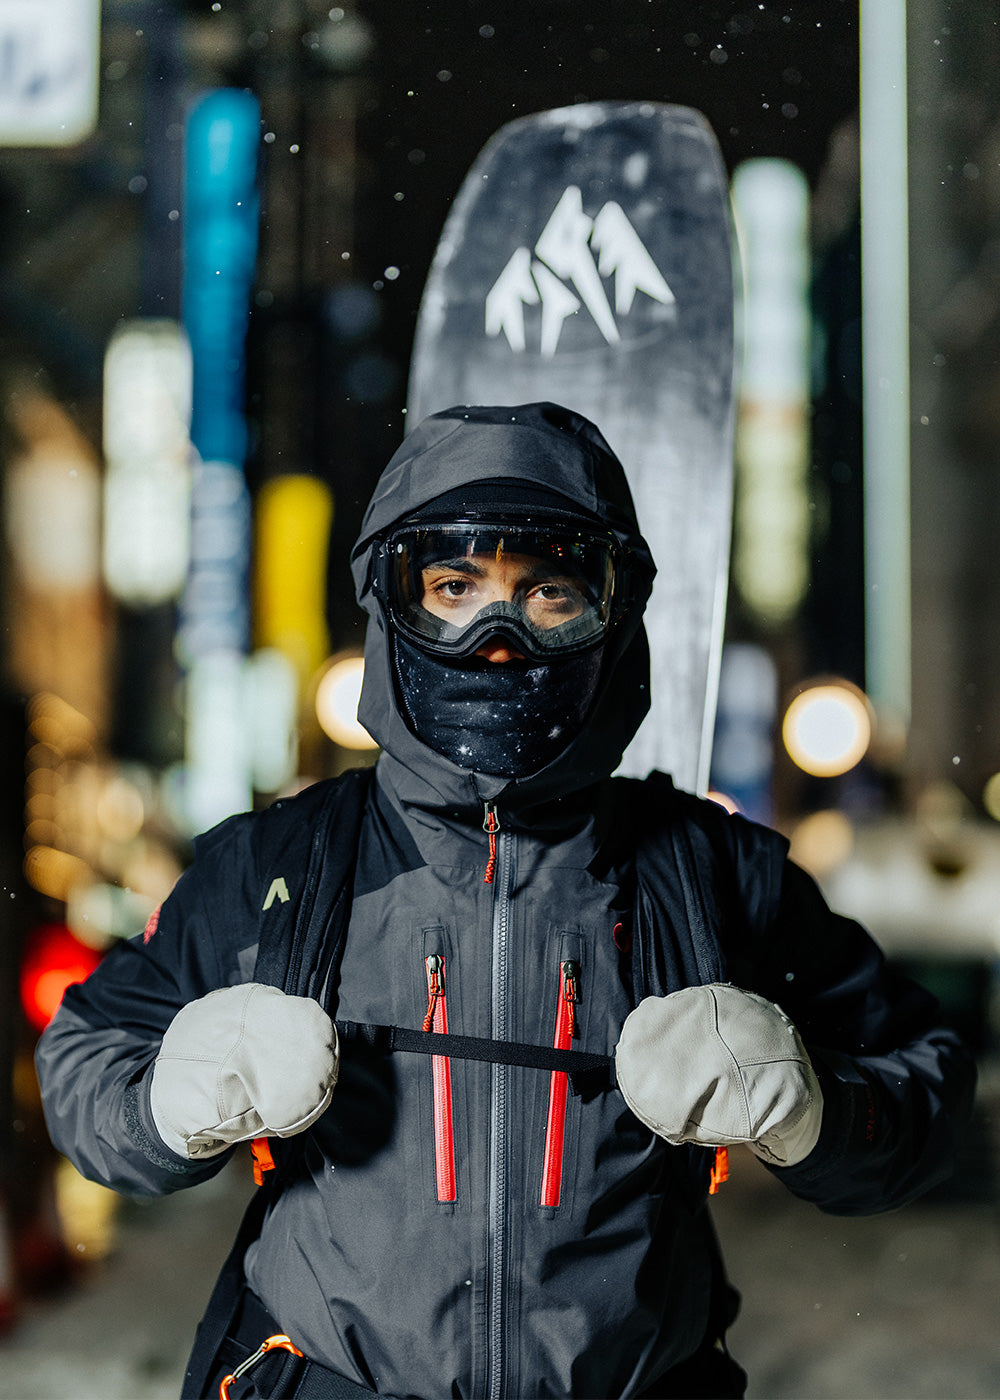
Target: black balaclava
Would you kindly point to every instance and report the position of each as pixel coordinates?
(510, 718)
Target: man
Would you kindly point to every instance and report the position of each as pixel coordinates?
(446, 1227)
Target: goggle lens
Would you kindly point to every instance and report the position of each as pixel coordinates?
(449, 587)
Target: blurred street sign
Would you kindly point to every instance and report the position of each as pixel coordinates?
(49, 51)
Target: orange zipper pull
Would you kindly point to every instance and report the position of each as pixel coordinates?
(435, 988)
(571, 995)
(263, 1159)
(720, 1170)
(491, 825)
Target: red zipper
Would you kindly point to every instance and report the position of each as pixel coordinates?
(555, 1129)
(436, 1019)
(491, 825)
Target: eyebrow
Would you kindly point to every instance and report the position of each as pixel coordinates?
(461, 564)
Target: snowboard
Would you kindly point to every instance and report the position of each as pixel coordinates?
(588, 260)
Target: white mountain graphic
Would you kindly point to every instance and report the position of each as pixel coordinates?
(564, 254)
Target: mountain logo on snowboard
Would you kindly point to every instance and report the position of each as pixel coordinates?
(574, 250)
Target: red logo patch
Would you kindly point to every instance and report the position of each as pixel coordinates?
(152, 923)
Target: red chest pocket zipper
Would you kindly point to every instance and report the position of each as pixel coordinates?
(555, 1128)
(436, 1019)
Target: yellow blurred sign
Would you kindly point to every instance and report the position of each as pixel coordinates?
(293, 519)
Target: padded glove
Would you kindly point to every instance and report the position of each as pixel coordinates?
(716, 1065)
(243, 1062)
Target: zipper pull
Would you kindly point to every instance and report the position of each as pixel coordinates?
(435, 986)
(571, 973)
(263, 1161)
(720, 1170)
(571, 991)
(491, 825)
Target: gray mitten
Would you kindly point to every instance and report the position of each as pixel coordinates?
(243, 1062)
(717, 1066)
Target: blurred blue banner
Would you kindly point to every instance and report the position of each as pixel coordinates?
(221, 210)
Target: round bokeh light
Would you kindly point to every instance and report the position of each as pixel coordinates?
(827, 729)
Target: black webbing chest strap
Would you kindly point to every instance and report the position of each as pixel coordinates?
(588, 1073)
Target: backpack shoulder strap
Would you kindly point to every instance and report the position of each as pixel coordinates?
(704, 879)
(304, 850)
(305, 853)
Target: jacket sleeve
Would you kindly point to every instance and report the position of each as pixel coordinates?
(897, 1085)
(95, 1059)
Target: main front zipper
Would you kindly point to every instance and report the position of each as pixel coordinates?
(436, 1019)
(555, 1127)
(498, 875)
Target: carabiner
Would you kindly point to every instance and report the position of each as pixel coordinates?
(278, 1341)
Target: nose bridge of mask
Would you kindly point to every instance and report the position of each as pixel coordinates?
(506, 619)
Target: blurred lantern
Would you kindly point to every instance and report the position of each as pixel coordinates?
(827, 728)
(52, 961)
(147, 484)
(771, 521)
(58, 638)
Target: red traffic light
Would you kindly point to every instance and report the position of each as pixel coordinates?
(53, 960)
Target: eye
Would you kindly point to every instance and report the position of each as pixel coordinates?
(560, 596)
(449, 591)
(452, 588)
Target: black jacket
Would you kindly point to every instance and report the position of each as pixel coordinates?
(463, 1229)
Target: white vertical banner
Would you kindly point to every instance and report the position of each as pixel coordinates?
(49, 61)
(771, 527)
(147, 479)
(886, 354)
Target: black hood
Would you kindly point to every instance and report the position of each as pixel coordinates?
(542, 445)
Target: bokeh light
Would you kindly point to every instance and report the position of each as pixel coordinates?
(991, 796)
(337, 697)
(827, 728)
(53, 960)
(821, 842)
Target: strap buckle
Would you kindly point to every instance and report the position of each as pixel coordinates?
(278, 1342)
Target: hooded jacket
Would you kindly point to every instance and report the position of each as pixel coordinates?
(454, 1228)
(539, 445)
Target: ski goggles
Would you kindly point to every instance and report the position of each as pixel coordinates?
(551, 591)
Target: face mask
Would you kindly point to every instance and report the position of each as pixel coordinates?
(508, 719)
